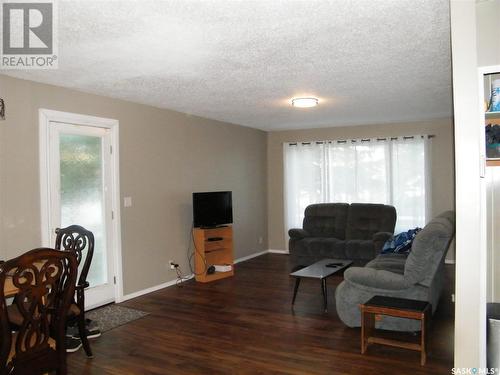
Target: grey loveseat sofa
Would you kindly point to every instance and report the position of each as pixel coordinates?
(417, 276)
(354, 231)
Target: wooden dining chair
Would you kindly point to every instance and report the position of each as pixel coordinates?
(45, 281)
(79, 241)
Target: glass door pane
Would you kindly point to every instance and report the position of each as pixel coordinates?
(82, 194)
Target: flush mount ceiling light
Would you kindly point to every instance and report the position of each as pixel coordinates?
(304, 102)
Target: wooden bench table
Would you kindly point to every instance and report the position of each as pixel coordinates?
(400, 308)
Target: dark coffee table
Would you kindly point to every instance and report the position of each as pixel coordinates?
(319, 270)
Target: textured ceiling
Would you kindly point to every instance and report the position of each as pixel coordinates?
(241, 61)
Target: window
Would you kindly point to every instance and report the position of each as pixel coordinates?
(390, 171)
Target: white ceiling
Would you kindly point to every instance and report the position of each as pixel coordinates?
(241, 61)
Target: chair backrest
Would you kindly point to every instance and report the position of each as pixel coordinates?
(45, 280)
(326, 219)
(366, 219)
(80, 241)
(428, 249)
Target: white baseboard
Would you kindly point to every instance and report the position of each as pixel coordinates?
(449, 261)
(275, 251)
(242, 259)
(173, 282)
(153, 288)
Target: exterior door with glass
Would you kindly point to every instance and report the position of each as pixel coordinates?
(80, 173)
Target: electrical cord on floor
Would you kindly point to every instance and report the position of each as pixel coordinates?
(180, 277)
(191, 254)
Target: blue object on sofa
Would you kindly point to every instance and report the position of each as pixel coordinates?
(401, 242)
(418, 275)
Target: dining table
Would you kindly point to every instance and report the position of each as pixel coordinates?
(10, 290)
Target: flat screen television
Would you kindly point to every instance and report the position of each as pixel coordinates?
(211, 209)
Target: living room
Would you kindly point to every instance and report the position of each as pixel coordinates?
(197, 97)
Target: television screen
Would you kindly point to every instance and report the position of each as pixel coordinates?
(212, 208)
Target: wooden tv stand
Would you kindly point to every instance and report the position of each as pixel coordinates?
(209, 252)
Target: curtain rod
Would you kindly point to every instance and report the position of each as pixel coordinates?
(365, 139)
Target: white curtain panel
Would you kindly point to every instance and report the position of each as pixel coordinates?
(391, 171)
(358, 172)
(304, 171)
(411, 182)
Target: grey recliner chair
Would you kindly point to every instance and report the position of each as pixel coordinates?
(417, 276)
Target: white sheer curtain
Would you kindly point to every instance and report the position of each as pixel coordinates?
(411, 193)
(358, 172)
(391, 171)
(304, 170)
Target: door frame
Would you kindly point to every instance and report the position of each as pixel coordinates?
(45, 117)
(488, 294)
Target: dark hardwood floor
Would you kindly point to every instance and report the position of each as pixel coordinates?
(245, 325)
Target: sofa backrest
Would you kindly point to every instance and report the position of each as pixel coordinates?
(326, 219)
(366, 219)
(429, 248)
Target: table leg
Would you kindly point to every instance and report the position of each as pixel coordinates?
(295, 289)
(323, 289)
(367, 326)
(425, 334)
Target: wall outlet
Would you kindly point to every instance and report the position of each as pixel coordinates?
(172, 264)
(127, 202)
(261, 239)
(453, 297)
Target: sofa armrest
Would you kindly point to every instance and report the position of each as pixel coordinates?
(379, 240)
(377, 279)
(382, 236)
(297, 233)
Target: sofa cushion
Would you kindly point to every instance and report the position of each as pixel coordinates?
(365, 277)
(389, 262)
(366, 219)
(429, 249)
(326, 247)
(359, 249)
(326, 220)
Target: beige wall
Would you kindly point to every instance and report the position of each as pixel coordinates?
(164, 157)
(442, 167)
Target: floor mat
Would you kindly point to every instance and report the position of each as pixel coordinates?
(112, 316)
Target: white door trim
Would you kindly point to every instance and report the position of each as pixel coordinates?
(45, 117)
(470, 286)
(489, 257)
